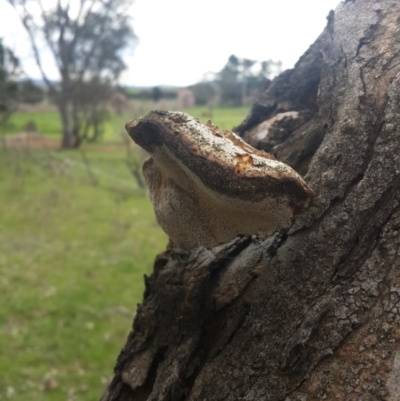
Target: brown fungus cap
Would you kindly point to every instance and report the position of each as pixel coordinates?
(208, 186)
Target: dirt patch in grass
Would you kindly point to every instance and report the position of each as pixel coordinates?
(34, 140)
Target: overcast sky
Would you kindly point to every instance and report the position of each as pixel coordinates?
(181, 40)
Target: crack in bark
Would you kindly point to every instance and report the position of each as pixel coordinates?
(291, 361)
(142, 393)
(346, 268)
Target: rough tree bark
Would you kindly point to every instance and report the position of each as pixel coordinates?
(312, 313)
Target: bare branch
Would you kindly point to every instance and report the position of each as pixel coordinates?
(46, 26)
(25, 18)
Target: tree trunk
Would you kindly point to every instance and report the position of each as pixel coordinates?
(69, 137)
(312, 313)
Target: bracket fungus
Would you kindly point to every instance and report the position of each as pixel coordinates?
(208, 186)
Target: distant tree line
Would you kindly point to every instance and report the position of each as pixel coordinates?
(155, 94)
(239, 82)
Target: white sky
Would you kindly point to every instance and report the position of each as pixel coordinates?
(181, 40)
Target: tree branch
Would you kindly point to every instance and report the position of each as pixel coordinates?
(25, 18)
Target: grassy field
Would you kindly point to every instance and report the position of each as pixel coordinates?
(72, 259)
(48, 123)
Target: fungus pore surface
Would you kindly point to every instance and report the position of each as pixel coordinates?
(208, 186)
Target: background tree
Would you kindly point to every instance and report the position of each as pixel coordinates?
(86, 40)
(89, 108)
(14, 87)
(229, 82)
(10, 73)
(119, 101)
(243, 77)
(156, 93)
(312, 313)
(204, 92)
(29, 92)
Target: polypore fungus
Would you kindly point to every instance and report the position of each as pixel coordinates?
(208, 186)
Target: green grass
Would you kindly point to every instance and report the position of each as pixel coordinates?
(72, 259)
(48, 123)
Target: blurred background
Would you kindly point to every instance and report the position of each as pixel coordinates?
(77, 230)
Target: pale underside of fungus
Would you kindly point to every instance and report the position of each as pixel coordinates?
(208, 186)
